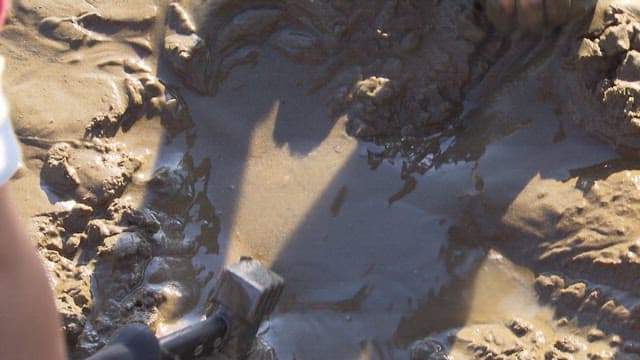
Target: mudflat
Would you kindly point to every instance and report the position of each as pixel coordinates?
(433, 179)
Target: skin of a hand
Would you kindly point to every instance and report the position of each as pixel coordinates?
(29, 323)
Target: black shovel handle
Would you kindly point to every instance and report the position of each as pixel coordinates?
(195, 340)
(137, 342)
(131, 342)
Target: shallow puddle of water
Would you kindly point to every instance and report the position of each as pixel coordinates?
(366, 278)
(499, 293)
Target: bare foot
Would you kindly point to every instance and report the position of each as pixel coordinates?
(530, 16)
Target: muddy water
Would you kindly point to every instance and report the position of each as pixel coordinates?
(366, 277)
(304, 200)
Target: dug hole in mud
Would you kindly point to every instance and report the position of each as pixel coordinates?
(432, 180)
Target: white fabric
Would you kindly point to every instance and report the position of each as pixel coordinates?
(9, 149)
(9, 152)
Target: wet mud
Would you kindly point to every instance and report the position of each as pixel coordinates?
(433, 179)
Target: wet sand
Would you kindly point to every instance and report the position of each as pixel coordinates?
(420, 199)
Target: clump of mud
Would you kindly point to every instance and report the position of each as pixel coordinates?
(608, 63)
(93, 175)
